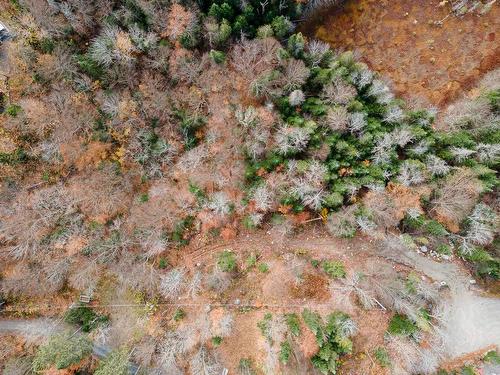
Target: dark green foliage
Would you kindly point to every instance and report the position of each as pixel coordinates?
(100, 129)
(46, 45)
(152, 147)
(293, 323)
(248, 18)
(220, 12)
(281, 26)
(19, 156)
(198, 192)
(13, 110)
(189, 125)
(285, 352)
(296, 44)
(422, 224)
(190, 39)
(401, 325)
(484, 263)
(163, 263)
(334, 269)
(414, 223)
(137, 15)
(62, 351)
(332, 340)
(435, 228)
(227, 261)
(90, 67)
(443, 249)
(216, 340)
(218, 56)
(492, 357)
(180, 235)
(85, 317)
(179, 315)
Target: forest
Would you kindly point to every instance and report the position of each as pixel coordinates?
(205, 188)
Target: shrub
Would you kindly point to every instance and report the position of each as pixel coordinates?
(334, 269)
(382, 357)
(19, 156)
(218, 56)
(163, 263)
(188, 127)
(251, 261)
(485, 264)
(434, 228)
(401, 325)
(182, 228)
(227, 261)
(492, 357)
(13, 110)
(179, 314)
(443, 249)
(62, 351)
(263, 267)
(216, 340)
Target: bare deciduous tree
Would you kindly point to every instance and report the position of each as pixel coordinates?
(204, 363)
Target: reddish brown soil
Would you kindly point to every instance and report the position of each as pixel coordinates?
(426, 63)
(313, 287)
(277, 292)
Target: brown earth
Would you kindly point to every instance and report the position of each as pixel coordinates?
(427, 64)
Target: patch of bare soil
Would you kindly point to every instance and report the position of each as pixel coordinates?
(312, 286)
(244, 341)
(398, 38)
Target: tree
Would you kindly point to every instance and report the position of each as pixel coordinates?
(455, 197)
(281, 26)
(115, 363)
(173, 283)
(204, 363)
(62, 351)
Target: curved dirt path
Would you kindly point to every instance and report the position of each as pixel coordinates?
(470, 322)
(426, 63)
